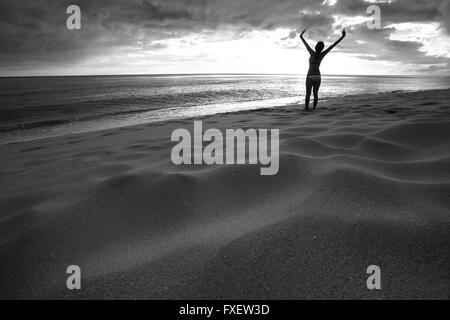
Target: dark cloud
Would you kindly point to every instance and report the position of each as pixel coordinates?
(399, 11)
(33, 33)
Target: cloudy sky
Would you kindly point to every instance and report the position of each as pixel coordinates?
(221, 36)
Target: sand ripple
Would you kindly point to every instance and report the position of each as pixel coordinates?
(358, 185)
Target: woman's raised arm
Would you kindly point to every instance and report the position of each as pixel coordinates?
(344, 33)
(306, 43)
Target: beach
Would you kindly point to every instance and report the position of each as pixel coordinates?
(363, 181)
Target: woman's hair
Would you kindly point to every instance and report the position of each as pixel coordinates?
(319, 46)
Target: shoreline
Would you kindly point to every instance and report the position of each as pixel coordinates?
(300, 106)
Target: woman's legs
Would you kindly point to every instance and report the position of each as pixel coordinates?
(316, 87)
(309, 86)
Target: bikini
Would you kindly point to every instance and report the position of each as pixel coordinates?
(314, 77)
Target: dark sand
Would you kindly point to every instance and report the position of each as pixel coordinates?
(363, 181)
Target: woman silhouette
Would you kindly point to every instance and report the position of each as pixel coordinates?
(314, 78)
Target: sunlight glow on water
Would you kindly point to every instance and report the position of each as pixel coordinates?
(33, 108)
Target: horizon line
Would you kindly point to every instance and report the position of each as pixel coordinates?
(216, 74)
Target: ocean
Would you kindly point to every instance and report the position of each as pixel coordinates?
(33, 108)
